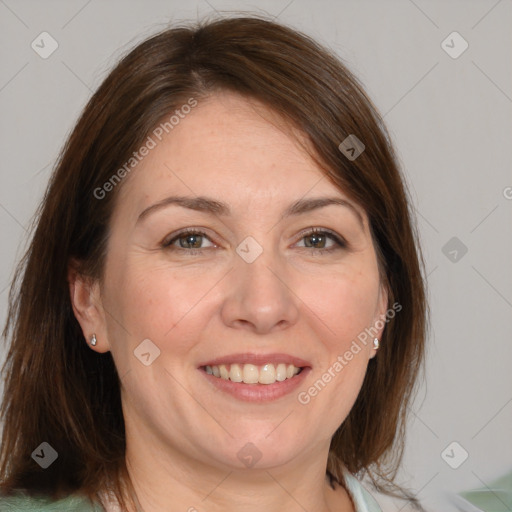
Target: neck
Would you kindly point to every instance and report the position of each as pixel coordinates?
(188, 485)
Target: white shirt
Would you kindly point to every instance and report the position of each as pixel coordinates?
(363, 500)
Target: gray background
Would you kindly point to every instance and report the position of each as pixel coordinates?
(452, 125)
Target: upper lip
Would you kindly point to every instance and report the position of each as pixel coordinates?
(257, 359)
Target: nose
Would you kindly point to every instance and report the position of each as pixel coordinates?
(261, 297)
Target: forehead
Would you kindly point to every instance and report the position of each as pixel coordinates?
(231, 148)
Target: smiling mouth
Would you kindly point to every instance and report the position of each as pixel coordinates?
(253, 374)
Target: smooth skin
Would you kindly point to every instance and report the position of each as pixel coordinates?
(197, 299)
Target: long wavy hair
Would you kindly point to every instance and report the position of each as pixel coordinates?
(58, 390)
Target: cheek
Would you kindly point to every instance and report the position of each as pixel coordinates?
(157, 303)
(344, 305)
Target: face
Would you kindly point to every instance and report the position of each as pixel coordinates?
(240, 284)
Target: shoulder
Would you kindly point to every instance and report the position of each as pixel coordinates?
(24, 503)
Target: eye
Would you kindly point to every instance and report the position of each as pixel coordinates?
(191, 240)
(187, 240)
(318, 239)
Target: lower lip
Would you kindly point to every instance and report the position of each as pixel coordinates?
(258, 392)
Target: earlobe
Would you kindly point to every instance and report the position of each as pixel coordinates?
(86, 304)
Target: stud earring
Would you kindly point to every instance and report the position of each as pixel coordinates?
(93, 340)
(376, 343)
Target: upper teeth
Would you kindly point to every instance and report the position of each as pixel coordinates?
(252, 374)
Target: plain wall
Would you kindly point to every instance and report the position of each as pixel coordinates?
(451, 122)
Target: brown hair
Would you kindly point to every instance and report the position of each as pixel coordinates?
(58, 390)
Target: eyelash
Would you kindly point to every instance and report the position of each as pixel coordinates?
(340, 243)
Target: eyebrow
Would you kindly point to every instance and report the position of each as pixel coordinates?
(212, 206)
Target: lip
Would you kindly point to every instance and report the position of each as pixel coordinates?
(258, 360)
(257, 392)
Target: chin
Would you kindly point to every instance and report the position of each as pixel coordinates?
(259, 448)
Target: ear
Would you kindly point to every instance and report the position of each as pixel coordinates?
(87, 307)
(382, 306)
(380, 315)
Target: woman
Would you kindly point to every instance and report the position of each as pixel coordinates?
(222, 305)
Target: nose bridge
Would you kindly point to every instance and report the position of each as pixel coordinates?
(260, 297)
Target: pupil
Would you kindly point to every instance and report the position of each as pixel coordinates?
(315, 239)
(191, 240)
